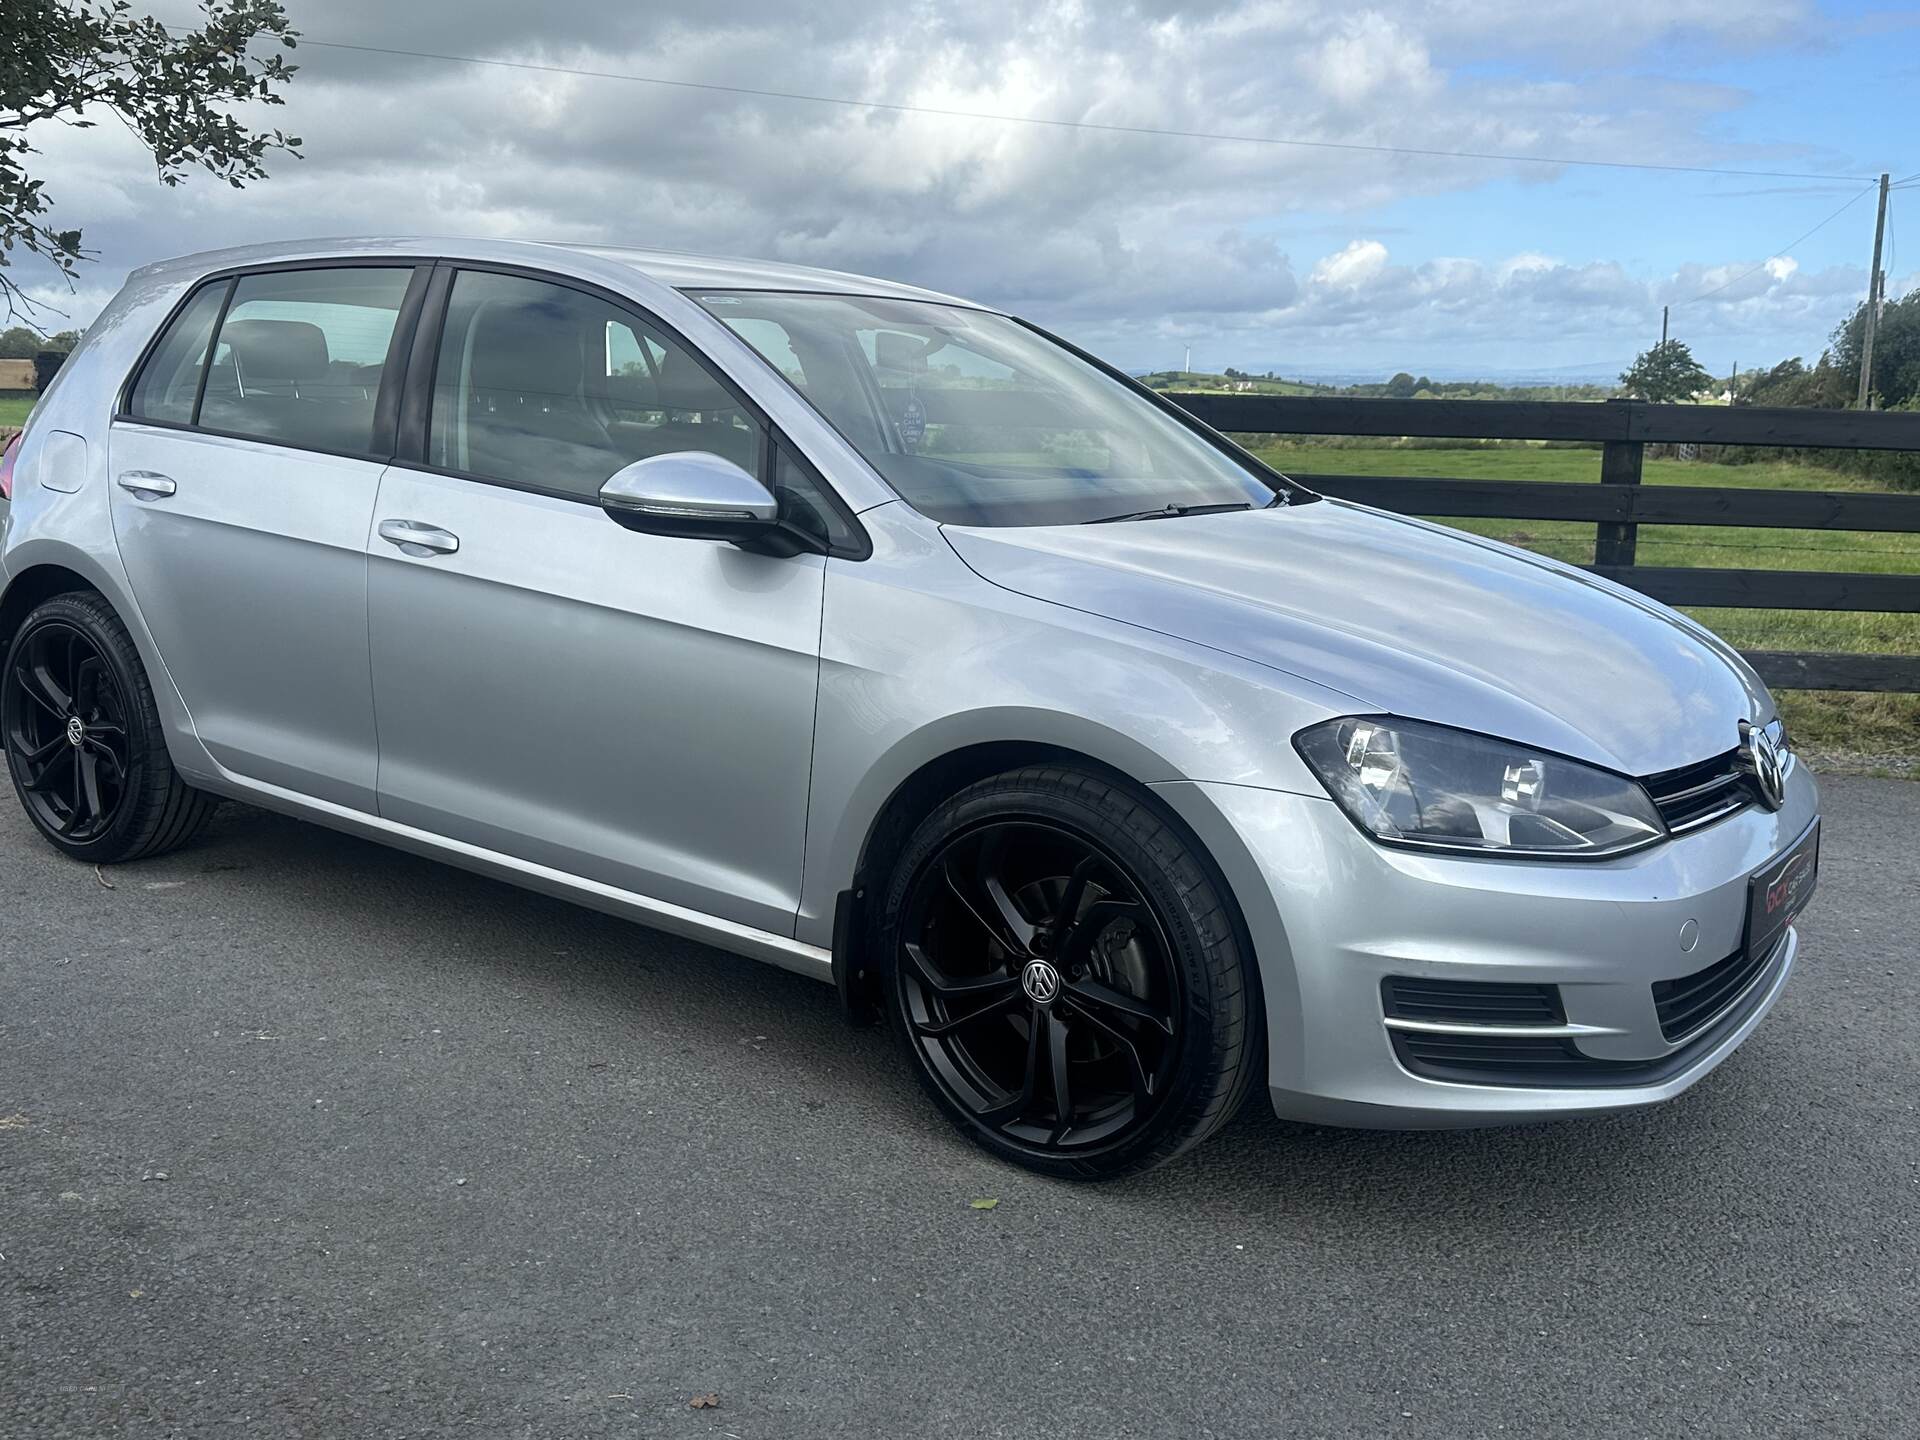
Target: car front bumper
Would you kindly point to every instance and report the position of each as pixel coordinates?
(1333, 915)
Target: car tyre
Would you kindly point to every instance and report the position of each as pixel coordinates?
(83, 739)
(1067, 975)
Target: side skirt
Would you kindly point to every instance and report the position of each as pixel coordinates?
(781, 950)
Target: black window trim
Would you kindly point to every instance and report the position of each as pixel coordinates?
(392, 372)
(416, 403)
(206, 355)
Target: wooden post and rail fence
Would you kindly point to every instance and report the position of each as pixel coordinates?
(1620, 503)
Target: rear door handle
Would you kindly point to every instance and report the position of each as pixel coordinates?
(419, 540)
(147, 484)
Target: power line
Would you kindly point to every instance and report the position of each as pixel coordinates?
(895, 107)
(1704, 294)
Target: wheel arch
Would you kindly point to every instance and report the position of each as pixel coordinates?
(32, 587)
(44, 567)
(942, 772)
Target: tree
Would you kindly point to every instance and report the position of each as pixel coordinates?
(75, 61)
(1666, 373)
(1896, 351)
(1401, 386)
(1822, 387)
(21, 343)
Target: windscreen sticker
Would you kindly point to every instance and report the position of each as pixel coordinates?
(913, 422)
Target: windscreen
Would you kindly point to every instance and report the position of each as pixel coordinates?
(977, 420)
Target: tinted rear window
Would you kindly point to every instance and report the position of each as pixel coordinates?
(301, 354)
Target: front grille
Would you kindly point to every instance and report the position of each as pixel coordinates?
(1694, 1001)
(1466, 1002)
(1696, 795)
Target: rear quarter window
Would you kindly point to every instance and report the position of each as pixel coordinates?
(169, 383)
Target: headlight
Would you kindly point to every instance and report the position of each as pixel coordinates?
(1410, 783)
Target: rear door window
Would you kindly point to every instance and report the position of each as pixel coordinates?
(301, 355)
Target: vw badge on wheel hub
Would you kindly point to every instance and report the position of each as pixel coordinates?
(1041, 982)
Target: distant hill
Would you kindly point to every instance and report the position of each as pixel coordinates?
(1193, 381)
(1401, 386)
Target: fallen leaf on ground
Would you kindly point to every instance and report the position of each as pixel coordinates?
(984, 1204)
(704, 1402)
(105, 884)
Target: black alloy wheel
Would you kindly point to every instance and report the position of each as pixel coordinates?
(1062, 997)
(66, 727)
(83, 738)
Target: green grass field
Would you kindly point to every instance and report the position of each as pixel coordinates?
(1857, 722)
(13, 409)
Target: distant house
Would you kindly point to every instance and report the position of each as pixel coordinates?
(16, 374)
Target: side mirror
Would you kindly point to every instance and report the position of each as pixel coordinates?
(692, 495)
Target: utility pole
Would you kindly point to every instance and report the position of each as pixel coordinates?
(1663, 323)
(1865, 400)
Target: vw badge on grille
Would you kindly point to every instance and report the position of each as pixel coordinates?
(1768, 771)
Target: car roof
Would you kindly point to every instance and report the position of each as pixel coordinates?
(679, 269)
(685, 270)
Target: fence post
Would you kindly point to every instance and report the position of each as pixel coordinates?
(1614, 541)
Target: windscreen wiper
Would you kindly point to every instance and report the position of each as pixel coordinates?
(1168, 512)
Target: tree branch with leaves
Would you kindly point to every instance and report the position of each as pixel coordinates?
(76, 62)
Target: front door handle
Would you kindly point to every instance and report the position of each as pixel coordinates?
(418, 540)
(147, 484)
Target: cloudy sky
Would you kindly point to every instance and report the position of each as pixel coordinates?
(1255, 255)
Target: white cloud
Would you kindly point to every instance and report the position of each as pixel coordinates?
(1127, 241)
(1353, 267)
(1371, 59)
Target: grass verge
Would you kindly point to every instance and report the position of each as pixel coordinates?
(14, 408)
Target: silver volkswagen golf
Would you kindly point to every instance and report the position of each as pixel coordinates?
(887, 638)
